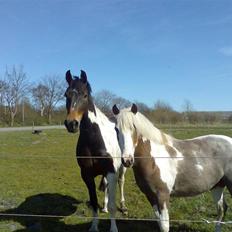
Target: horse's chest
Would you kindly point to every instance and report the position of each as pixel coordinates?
(94, 158)
(147, 176)
(96, 166)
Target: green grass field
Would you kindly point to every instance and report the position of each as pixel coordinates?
(39, 175)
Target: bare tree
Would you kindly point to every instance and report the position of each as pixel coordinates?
(188, 112)
(162, 106)
(121, 102)
(55, 88)
(2, 86)
(14, 90)
(187, 106)
(142, 107)
(164, 113)
(106, 99)
(40, 94)
(103, 100)
(2, 93)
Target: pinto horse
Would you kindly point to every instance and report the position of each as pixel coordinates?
(97, 149)
(164, 166)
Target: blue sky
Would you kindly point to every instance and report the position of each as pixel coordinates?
(142, 50)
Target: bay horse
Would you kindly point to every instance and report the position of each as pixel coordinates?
(164, 166)
(98, 151)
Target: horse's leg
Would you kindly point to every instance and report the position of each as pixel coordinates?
(121, 182)
(221, 205)
(228, 183)
(161, 211)
(106, 198)
(112, 182)
(157, 215)
(163, 218)
(90, 183)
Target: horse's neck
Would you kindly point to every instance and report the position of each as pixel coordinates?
(100, 118)
(147, 130)
(91, 106)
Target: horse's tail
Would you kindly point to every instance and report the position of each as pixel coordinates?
(103, 184)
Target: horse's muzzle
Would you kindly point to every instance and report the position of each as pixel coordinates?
(127, 161)
(72, 126)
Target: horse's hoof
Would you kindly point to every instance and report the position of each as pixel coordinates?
(104, 210)
(124, 210)
(116, 230)
(93, 230)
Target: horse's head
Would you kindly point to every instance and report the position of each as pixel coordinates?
(127, 133)
(78, 95)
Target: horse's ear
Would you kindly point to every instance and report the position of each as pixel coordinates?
(83, 76)
(68, 77)
(134, 109)
(115, 110)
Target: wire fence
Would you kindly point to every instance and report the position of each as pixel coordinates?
(22, 156)
(46, 216)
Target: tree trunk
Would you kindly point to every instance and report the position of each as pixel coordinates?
(42, 111)
(13, 112)
(49, 117)
(12, 116)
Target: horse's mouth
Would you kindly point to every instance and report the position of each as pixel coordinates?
(71, 126)
(128, 162)
(127, 165)
(72, 130)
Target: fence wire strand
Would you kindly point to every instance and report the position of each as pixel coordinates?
(30, 156)
(205, 221)
(20, 156)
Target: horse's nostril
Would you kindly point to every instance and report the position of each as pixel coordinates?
(131, 160)
(127, 161)
(72, 126)
(75, 124)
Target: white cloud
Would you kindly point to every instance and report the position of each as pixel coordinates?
(227, 51)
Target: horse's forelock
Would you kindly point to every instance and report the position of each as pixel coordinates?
(126, 119)
(78, 81)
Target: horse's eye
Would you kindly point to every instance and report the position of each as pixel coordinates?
(85, 96)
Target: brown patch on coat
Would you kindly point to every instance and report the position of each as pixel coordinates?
(74, 115)
(135, 138)
(164, 138)
(147, 175)
(171, 151)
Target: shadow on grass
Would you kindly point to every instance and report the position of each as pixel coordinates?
(43, 204)
(57, 204)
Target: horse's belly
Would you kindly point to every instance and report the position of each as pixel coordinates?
(195, 184)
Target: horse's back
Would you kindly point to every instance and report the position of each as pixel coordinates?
(206, 160)
(210, 146)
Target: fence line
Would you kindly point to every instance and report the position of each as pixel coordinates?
(20, 156)
(205, 221)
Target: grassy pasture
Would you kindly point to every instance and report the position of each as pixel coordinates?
(39, 175)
